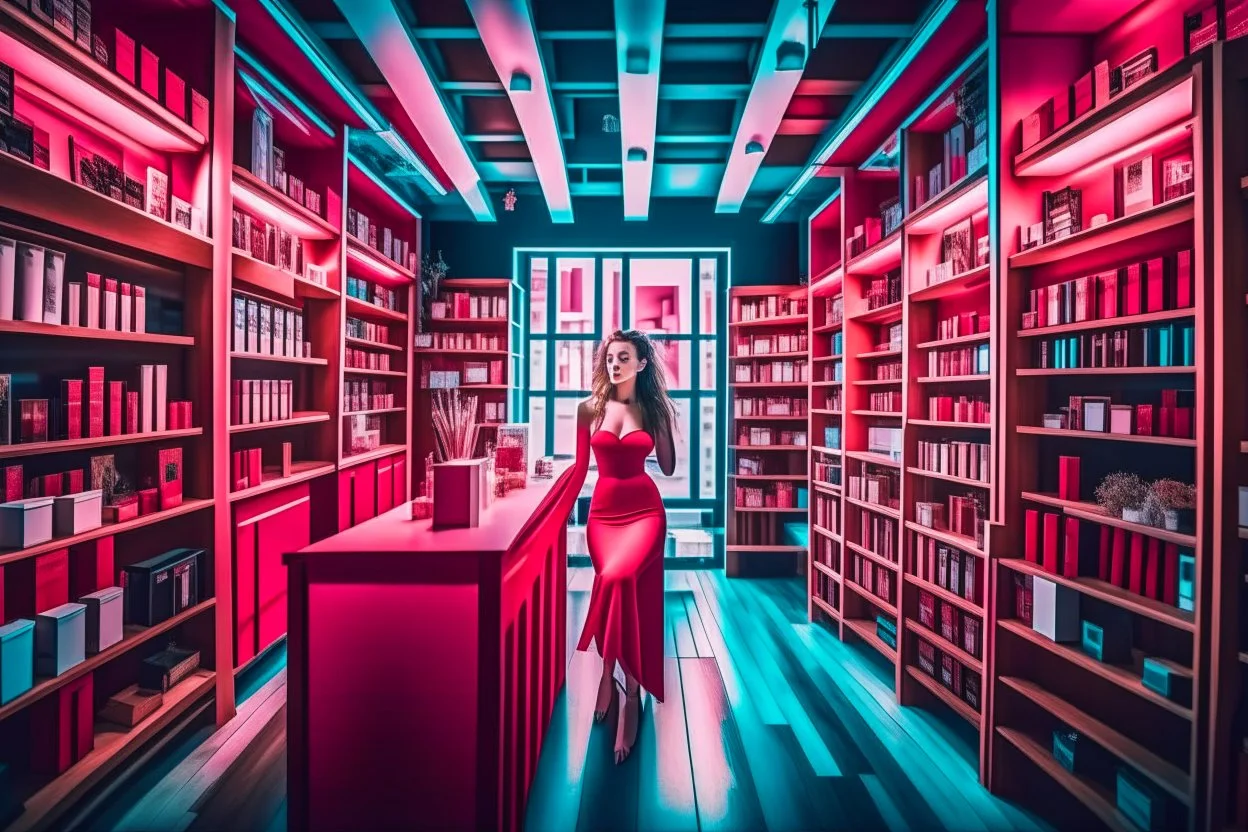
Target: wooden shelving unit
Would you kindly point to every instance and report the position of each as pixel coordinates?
(768, 379)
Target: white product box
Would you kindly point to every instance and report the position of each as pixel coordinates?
(60, 639)
(25, 523)
(8, 277)
(28, 293)
(77, 513)
(105, 612)
(1055, 611)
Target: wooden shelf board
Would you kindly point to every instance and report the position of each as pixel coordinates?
(873, 459)
(1031, 430)
(880, 315)
(1164, 774)
(878, 382)
(967, 197)
(865, 630)
(828, 533)
(932, 475)
(955, 703)
(477, 284)
(964, 544)
(775, 477)
(262, 199)
(937, 640)
(1106, 371)
(376, 411)
(821, 412)
(375, 264)
(375, 453)
(374, 345)
(774, 385)
(40, 193)
(69, 445)
(947, 596)
(876, 414)
(890, 353)
(299, 472)
(823, 329)
(1093, 512)
(936, 423)
(801, 418)
(828, 279)
(249, 270)
(360, 371)
(1123, 677)
(783, 320)
(826, 570)
(872, 556)
(1158, 218)
(114, 745)
(969, 281)
(826, 383)
(887, 511)
(1107, 592)
(973, 338)
(767, 510)
(30, 328)
(1108, 323)
(826, 607)
(280, 359)
(826, 488)
(1097, 799)
(880, 258)
(823, 449)
(765, 356)
(792, 448)
(978, 377)
(8, 556)
(837, 357)
(364, 309)
(300, 417)
(764, 549)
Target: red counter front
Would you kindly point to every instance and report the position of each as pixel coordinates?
(423, 670)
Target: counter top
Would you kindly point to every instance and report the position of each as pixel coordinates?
(395, 532)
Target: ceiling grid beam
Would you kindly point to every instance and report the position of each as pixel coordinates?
(639, 48)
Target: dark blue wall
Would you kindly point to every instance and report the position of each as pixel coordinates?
(760, 253)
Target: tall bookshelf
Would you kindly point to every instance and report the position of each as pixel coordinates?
(768, 383)
(1146, 587)
(948, 447)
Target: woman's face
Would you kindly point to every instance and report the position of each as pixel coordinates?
(622, 362)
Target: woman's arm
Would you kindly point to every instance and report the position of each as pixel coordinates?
(665, 450)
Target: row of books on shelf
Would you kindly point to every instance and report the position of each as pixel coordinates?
(1174, 416)
(948, 671)
(90, 407)
(947, 567)
(833, 400)
(268, 164)
(960, 252)
(953, 625)
(764, 308)
(969, 410)
(1201, 25)
(777, 495)
(1160, 345)
(827, 552)
(874, 229)
(366, 394)
(483, 341)
(878, 534)
(968, 460)
(1154, 285)
(832, 437)
(833, 314)
(755, 435)
(275, 246)
(957, 160)
(884, 291)
(961, 361)
(469, 372)
(826, 471)
(746, 346)
(744, 407)
(258, 400)
(465, 305)
(960, 514)
(962, 324)
(887, 371)
(264, 327)
(888, 337)
(876, 579)
(373, 293)
(378, 334)
(380, 239)
(753, 466)
(881, 489)
(361, 433)
(771, 372)
(885, 441)
(247, 467)
(833, 371)
(1138, 563)
(888, 401)
(827, 513)
(357, 359)
(886, 630)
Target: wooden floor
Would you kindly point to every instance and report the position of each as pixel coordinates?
(770, 723)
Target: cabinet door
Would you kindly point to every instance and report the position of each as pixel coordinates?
(285, 529)
(364, 496)
(400, 480)
(385, 485)
(244, 593)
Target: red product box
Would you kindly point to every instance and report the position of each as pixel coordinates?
(1133, 291)
(91, 566)
(65, 725)
(1152, 570)
(132, 411)
(1102, 565)
(71, 407)
(35, 585)
(1181, 422)
(175, 94)
(49, 485)
(1144, 419)
(1136, 583)
(1155, 285)
(116, 407)
(1070, 559)
(123, 56)
(1031, 536)
(255, 467)
(1051, 538)
(149, 72)
(95, 401)
(1170, 574)
(1118, 559)
(74, 481)
(237, 475)
(14, 483)
(149, 500)
(164, 472)
(1183, 280)
(1068, 478)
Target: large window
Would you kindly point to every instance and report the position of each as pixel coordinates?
(578, 298)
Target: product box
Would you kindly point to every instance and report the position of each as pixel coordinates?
(60, 639)
(1055, 611)
(131, 706)
(65, 725)
(1108, 641)
(104, 618)
(1143, 805)
(1168, 679)
(161, 587)
(25, 523)
(168, 667)
(77, 513)
(17, 659)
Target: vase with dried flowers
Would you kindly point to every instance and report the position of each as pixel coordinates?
(1122, 495)
(460, 489)
(1175, 503)
(432, 272)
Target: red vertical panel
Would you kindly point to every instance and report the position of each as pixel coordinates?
(385, 486)
(90, 567)
(400, 480)
(346, 493)
(364, 498)
(285, 530)
(244, 593)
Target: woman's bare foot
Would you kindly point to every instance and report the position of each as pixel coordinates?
(626, 731)
(606, 689)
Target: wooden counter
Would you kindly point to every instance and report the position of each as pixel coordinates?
(423, 670)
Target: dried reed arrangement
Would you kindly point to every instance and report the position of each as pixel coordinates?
(455, 424)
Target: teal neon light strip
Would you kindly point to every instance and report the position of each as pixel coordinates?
(912, 49)
(380, 183)
(823, 206)
(286, 92)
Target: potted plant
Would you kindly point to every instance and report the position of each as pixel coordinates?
(432, 272)
(1176, 503)
(1122, 495)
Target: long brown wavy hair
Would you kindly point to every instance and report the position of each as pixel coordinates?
(657, 411)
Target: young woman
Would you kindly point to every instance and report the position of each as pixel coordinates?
(628, 415)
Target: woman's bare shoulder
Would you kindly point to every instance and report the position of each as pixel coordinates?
(584, 411)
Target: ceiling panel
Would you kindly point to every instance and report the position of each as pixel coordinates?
(489, 114)
(356, 57)
(503, 152)
(696, 118)
(789, 150)
(718, 11)
(841, 58)
(565, 15)
(464, 60)
(583, 61)
(438, 12)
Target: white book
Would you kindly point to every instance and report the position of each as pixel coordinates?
(254, 384)
(94, 282)
(147, 388)
(240, 324)
(293, 347)
(28, 295)
(75, 304)
(110, 304)
(140, 309)
(162, 389)
(126, 303)
(53, 276)
(8, 277)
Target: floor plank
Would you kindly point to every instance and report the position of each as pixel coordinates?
(678, 621)
(696, 628)
(666, 799)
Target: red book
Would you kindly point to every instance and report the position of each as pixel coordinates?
(1031, 535)
(74, 485)
(1070, 560)
(95, 401)
(1136, 583)
(1144, 419)
(90, 566)
(1170, 574)
(132, 412)
(188, 415)
(255, 468)
(169, 477)
(173, 416)
(1068, 478)
(65, 725)
(71, 407)
(1183, 280)
(1109, 295)
(149, 500)
(1165, 425)
(116, 407)
(50, 485)
(1155, 285)
(13, 483)
(1181, 422)
(1118, 559)
(237, 475)
(1102, 567)
(1152, 570)
(1051, 538)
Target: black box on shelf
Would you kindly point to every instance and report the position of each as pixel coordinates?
(161, 587)
(168, 667)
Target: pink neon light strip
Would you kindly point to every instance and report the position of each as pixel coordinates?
(356, 252)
